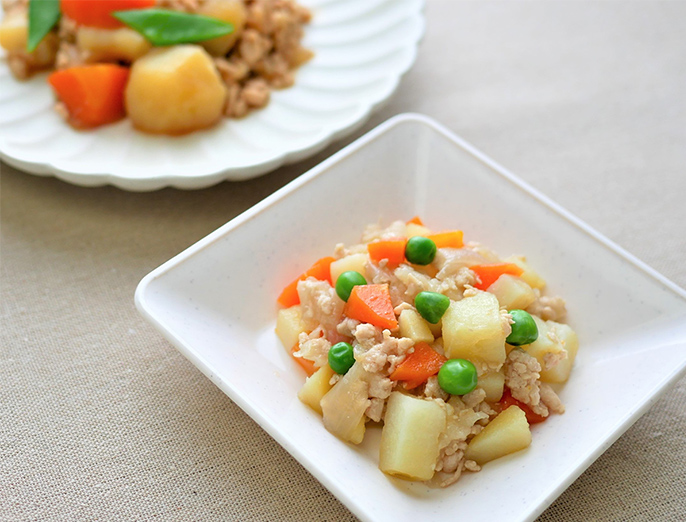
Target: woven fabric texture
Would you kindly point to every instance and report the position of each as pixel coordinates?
(101, 419)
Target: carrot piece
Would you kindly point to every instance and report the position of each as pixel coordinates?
(418, 366)
(98, 13)
(371, 304)
(305, 364)
(320, 270)
(416, 220)
(488, 274)
(391, 249)
(449, 239)
(508, 400)
(92, 94)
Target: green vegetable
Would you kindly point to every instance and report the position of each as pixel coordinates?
(341, 358)
(457, 376)
(431, 305)
(420, 250)
(346, 281)
(524, 329)
(165, 27)
(43, 15)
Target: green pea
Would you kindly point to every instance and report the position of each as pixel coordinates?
(341, 358)
(420, 250)
(457, 376)
(431, 305)
(524, 329)
(346, 281)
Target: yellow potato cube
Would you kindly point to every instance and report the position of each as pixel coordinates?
(175, 90)
(413, 229)
(507, 433)
(530, 276)
(493, 384)
(111, 44)
(569, 343)
(289, 326)
(414, 326)
(409, 440)
(344, 405)
(315, 387)
(14, 31)
(472, 330)
(354, 262)
(232, 11)
(512, 292)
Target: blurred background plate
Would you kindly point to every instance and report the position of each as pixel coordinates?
(362, 48)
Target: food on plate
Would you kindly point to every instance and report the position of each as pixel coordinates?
(186, 63)
(451, 348)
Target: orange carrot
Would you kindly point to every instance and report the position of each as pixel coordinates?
(98, 13)
(450, 239)
(371, 304)
(490, 273)
(416, 220)
(320, 270)
(391, 249)
(92, 94)
(305, 364)
(418, 366)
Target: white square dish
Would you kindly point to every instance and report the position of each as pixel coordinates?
(216, 303)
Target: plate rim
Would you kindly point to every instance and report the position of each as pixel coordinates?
(253, 410)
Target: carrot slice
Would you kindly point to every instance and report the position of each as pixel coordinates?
(305, 364)
(320, 270)
(92, 94)
(449, 239)
(416, 220)
(508, 400)
(98, 13)
(417, 367)
(391, 249)
(371, 304)
(488, 274)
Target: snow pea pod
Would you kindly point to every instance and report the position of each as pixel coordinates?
(43, 15)
(165, 27)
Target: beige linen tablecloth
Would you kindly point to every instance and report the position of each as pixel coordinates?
(101, 419)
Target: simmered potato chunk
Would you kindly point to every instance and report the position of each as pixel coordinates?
(111, 44)
(13, 37)
(472, 329)
(409, 440)
(507, 433)
(355, 262)
(413, 326)
(174, 90)
(512, 292)
(232, 11)
(315, 387)
(289, 325)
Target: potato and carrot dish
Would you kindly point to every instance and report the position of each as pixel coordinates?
(455, 350)
(171, 66)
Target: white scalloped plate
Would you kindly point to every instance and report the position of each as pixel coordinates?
(362, 48)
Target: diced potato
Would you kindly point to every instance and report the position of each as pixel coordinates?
(436, 329)
(111, 44)
(344, 405)
(14, 36)
(232, 11)
(414, 326)
(355, 262)
(493, 384)
(14, 31)
(507, 433)
(413, 229)
(315, 387)
(409, 440)
(512, 292)
(472, 330)
(174, 90)
(530, 276)
(568, 342)
(289, 326)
